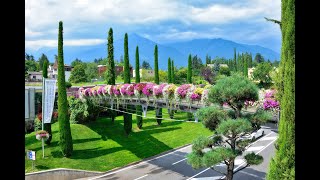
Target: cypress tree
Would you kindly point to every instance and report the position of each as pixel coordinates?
(156, 80)
(46, 126)
(127, 117)
(189, 75)
(169, 71)
(250, 61)
(172, 72)
(138, 107)
(63, 118)
(245, 66)
(282, 166)
(235, 60)
(110, 75)
(156, 68)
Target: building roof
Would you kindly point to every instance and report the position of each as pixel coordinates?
(35, 73)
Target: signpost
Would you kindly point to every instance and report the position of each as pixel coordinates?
(48, 96)
(32, 156)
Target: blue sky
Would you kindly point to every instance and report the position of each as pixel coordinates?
(86, 22)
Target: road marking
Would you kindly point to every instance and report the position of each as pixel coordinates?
(250, 174)
(208, 178)
(244, 161)
(238, 161)
(256, 154)
(269, 138)
(137, 164)
(179, 161)
(141, 177)
(257, 148)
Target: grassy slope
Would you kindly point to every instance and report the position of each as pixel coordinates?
(101, 145)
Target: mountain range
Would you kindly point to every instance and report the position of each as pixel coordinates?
(177, 51)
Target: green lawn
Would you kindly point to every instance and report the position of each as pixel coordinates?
(102, 146)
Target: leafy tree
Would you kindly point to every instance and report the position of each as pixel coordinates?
(226, 144)
(196, 65)
(127, 117)
(189, 75)
(42, 59)
(181, 75)
(156, 80)
(145, 65)
(29, 57)
(282, 165)
(208, 59)
(208, 74)
(78, 74)
(258, 58)
(262, 73)
(224, 71)
(163, 76)
(66, 144)
(76, 62)
(169, 71)
(91, 71)
(31, 65)
(172, 72)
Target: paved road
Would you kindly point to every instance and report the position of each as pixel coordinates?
(173, 165)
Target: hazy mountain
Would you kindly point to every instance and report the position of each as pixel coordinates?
(178, 51)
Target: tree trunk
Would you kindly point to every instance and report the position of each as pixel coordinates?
(230, 170)
(237, 111)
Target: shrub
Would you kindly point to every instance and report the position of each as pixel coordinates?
(68, 84)
(37, 124)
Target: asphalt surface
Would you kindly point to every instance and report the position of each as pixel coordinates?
(173, 165)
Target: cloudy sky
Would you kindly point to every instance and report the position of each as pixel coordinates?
(86, 22)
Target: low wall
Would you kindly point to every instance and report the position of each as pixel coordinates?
(60, 174)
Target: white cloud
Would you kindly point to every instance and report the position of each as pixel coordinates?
(36, 44)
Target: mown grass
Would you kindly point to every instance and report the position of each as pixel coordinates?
(102, 145)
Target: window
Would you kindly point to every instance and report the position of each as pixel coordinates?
(34, 77)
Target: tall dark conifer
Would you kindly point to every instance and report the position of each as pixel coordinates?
(127, 117)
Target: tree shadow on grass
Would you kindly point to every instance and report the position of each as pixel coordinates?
(141, 143)
(41, 167)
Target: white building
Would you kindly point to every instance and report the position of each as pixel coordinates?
(144, 72)
(53, 71)
(35, 76)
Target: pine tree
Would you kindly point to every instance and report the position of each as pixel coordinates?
(126, 79)
(169, 71)
(46, 126)
(282, 166)
(156, 80)
(63, 118)
(189, 75)
(138, 107)
(110, 75)
(172, 72)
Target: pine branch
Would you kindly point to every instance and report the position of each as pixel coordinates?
(274, 21)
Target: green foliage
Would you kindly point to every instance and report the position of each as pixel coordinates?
(127, 117)
(282, 166)
(68, 85)
(211, 116)
(169, 71)
(163, 76)
(66, 144)
(37, 124)
(196, 66)
(45, 69)
(139, 118)
(234, 127)
(241, 144)
(224, 71)
(181, 75)
(172, 72)
(156, 68)
(234, 90)
(195, 160)
(260, 117)
(253, 159)
(145, 65)
(258, 58)
(91, 71)
(43, 59)
(262, 73)
(76, 62)
(110, 75)
(189, 75)
(200, 143)
(137, 66)
(78, 74)
(216, 156)
(31, 65)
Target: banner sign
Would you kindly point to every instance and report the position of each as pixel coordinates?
(49, 96)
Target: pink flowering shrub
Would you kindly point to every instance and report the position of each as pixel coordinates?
(157, 90)
(148, 89)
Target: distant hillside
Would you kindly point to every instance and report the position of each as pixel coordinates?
(178, 51)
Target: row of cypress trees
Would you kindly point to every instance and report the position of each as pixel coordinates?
(170, 71)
